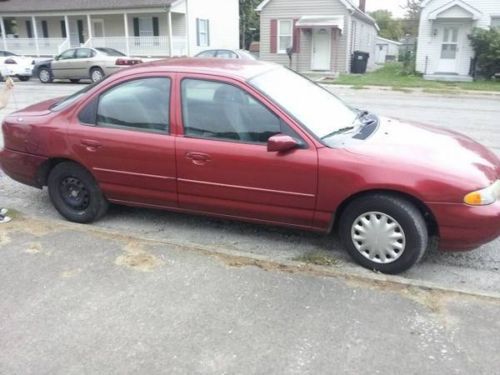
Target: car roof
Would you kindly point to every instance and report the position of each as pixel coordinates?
(242, 69)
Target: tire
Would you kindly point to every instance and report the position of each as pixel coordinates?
(384, 233)
(23, 78)
(74, 80)
(75, 193)
(96, 74)
(44, 75)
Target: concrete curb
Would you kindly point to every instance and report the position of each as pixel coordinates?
(414, 90)
(236, 258)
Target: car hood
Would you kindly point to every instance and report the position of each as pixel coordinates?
(38, 109)
(430, 150)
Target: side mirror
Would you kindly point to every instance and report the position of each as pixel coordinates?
(56, 57)
(281, 143)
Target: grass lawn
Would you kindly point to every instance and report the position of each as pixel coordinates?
(390, 75)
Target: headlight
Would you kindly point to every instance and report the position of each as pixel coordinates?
(484, 196)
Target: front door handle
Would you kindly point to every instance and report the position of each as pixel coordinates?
(90, 144)
(198, 158)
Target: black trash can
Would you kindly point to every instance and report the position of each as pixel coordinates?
(359, 62)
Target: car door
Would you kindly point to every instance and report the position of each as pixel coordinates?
(81, 63)
(62, 66)
(223, 165)
(123, 137)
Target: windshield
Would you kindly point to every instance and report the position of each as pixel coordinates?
(110, 52)
(313, 106)
(74, 97)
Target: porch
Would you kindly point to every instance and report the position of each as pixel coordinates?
(153, 34)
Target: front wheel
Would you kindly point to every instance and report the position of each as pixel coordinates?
(75, 193)
(44, 75)
(23, 78)
(384, 233)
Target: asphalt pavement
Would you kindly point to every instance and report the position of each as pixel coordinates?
(145, 291)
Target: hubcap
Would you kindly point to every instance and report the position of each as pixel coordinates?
(74, 193)
(378, 237)
(96, 75)
(44, 76)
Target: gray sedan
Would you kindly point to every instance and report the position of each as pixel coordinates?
(83, 63)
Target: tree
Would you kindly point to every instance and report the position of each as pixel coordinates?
(486, 45)
(390, 28)
(249, 22)
(412, 18)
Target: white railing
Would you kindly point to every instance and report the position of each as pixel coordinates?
(137, 46)
(27, 46)
(142, 45)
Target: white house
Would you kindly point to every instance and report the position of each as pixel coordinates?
(323, 33)
(136, 27)
(387, 50)
(444, 51)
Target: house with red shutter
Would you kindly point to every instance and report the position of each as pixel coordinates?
(323, 34)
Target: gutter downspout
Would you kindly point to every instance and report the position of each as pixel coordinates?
(188, 31)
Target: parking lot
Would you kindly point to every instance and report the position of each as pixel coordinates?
(93, 270)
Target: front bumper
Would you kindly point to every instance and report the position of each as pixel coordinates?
(463, 227)
(22, 167)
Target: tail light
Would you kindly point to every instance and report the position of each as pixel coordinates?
(10, 61)
(127, 61)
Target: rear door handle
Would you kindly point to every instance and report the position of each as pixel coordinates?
(198, 158)
(90, 144)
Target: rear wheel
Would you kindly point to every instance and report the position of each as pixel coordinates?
(384, 233)
(23, 78)
(44, 75)
(74, 80)
(75, 193)
(96, 74)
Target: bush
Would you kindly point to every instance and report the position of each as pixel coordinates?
(486, 45)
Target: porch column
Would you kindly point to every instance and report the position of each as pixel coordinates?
(35, 33)
(170, 40)
(125, 22)
(4, 37)
(89, 27)
(66, 25)
(188, 32)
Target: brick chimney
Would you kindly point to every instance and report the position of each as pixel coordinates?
(362, 5)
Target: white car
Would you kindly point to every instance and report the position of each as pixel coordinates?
(15, 66)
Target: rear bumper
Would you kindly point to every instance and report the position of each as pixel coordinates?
(21, 166)
(463, 227)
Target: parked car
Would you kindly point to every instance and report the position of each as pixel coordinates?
(83, 63)
(15, 66)
(227, 54)
(257, 142)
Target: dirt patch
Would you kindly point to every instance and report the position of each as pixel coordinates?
(319, 258)
(137, 258)
(4, 239)
(71, 273)
(34, 248)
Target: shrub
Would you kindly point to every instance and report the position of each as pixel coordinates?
(486, 45)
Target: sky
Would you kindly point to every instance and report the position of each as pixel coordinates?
(393, 5)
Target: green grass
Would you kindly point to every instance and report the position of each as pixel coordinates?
(391, 75)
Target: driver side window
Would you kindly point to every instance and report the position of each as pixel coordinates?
(222, 111)
(69, 54)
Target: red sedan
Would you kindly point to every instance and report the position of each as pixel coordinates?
(253, 141)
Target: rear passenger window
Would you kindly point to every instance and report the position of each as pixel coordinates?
(218, 110)
(141, 104)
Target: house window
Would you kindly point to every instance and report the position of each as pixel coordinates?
(45, 29)
(285, 35)
(495, 22)
(203, 32)
(29, 30)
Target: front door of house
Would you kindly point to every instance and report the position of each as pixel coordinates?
(449, 49)
(321, 49)
(98, 28)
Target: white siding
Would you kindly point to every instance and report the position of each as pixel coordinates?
(430, 35)
(224, 23)
(294, 9)
(363, 38)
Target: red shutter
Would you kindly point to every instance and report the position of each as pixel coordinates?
(274, 36)
(296, 36)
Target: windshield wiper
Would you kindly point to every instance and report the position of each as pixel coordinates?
(339, 131)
